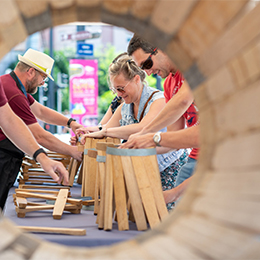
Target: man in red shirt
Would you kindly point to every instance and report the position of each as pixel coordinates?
(30, 72)
(180, 103)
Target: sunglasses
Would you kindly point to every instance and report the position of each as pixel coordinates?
(120, 90)
(148, 63)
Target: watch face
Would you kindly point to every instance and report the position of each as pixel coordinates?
(157, 138)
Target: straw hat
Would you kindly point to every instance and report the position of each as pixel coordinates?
(38, 60)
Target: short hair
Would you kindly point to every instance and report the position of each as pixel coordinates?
(21, 66)
(125, 65)
(136, 43)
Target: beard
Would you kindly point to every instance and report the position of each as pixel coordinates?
(32, 85)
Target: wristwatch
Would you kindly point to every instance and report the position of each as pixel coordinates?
(69, 121)
(157, 138)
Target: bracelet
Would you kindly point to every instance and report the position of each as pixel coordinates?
(37, 152)
(99, 127)
(69, 121)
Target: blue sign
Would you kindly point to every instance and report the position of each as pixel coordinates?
(85, 49)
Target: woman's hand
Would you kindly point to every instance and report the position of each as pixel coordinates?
(81, 130)
(86, 130)
(99, 134)
(73, 140)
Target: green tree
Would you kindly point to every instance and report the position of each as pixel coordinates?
(105, 56)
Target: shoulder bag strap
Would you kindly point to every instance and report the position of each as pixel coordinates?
(142, 115)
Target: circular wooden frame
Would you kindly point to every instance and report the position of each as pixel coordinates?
(216, 45)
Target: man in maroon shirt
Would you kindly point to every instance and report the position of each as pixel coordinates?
(23, 138)
(30, 73)
(180, 104)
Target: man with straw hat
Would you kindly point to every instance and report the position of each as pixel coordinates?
(29, 74)
(24, 139)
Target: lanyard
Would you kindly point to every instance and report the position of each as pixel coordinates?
(18, 83)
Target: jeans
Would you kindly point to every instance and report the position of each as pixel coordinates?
(186, 171)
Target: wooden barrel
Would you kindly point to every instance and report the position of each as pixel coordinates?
(133, 174)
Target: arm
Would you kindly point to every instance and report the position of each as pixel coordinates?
(52, 143)
(185, 138)
(24, 140)
(173, 110)
(113, 122)
(51, 116)
(123, 132)
(91, 129)
(173, 194)
(107, 116)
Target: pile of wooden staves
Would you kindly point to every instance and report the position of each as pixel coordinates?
(37, 191)
(61, 200)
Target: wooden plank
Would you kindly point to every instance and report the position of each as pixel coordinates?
(60, 204)
(36, 173)
(85, 167)
(108, 193)
(41, 206)
(52, 230)
(51, 187)
(120, 194)
(229, 210)
(153, 175)
(97, 191)
(102, 146)
(231, 42)
(102, 171)
(21, 202)
(53, 192)
(73, 171)
(91, 177)
(134, 194)
(35, 181)
(79, 179)
(47, 197)
(88, 202)
(145, 189)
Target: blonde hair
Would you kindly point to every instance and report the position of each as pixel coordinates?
(125, 65)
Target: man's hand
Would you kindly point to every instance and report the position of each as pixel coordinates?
(55, 169)
(136, 141)
(74, 126)
(76, 154)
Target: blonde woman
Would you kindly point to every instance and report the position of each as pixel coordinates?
(141, 104)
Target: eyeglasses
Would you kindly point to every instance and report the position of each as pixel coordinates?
(44, 77)
(120, 90)
(148, 63)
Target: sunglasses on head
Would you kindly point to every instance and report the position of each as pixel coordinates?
(148, 63)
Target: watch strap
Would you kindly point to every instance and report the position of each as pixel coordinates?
(69, 121)
(37, 152)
